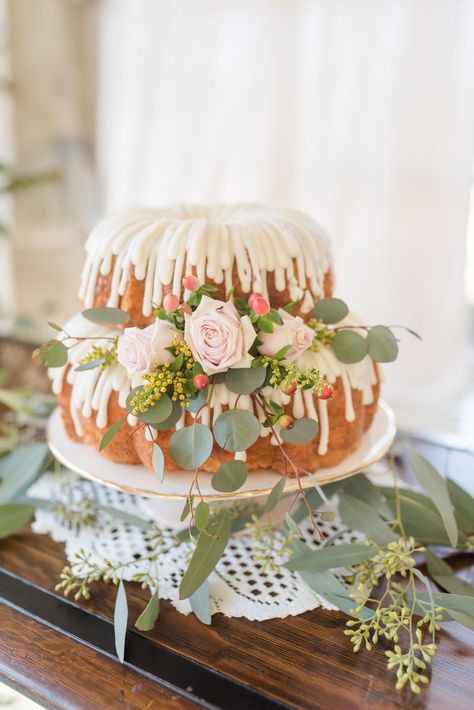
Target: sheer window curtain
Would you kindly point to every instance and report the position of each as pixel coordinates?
(359, 112)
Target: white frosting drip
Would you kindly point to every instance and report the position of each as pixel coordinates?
(91, 389)
(161, 246)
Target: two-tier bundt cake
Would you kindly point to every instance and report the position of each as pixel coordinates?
(280, 258)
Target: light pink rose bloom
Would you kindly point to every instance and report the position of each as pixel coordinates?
(140, 350)
(218, 337)
(292, 331)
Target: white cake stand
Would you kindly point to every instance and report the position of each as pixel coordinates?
(166, 499)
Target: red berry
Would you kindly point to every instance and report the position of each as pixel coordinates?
(285, 421)
(260, 306)
(252, 298)
(190, 283)
(290, 388)
(201, 381)
(327, 392)
(170, 302)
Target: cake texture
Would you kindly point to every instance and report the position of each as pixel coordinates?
(248, 257)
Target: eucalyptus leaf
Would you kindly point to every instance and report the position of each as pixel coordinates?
(90, 365)
(236, 430)
(147, 619)
(200, 603)
(230, 476)
(332, 557)
(158, 462)
(349, 347)
(275, 494)
(358, 515)
(245, 380)
(13, 516)
(209, 549)
(55, 326)
(381, 344)
(120, 621)
(53, 354)
(128, 518)
(199, 400)
(444, 576)
(361, 487)
(330, 310)
(201, 515)
(191, 446)
(133, 392)
(424, 524)
(290, 524)
(20, 468)
(460, 603)
(186, 510)
(463, 506)
(328, 586)
(171, 421)
(464, 619)
(302, 431)
(110, 434)
(106, 315)
(158, 412)
(436, 487)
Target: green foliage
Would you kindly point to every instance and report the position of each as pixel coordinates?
(275, 494)
(21, 468)
(147, 619)
(158, 412)
(301, 431)
(158, 462)
(330, 310)
(382, 344)
(120, 621)
(200, 604)
(245, 380)
(110, 434)
(332, 556)
(191, 446)
(13, 516)
(359, 515)
(349, 347)
(236, 430)
(53, 354)
(114, 316)
(230, 476)
(201, 515)
(209, 549)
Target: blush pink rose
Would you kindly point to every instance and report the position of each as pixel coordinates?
(140, 350)
(292, 331)
(218, 337)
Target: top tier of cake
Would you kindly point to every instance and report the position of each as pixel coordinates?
(138, 256)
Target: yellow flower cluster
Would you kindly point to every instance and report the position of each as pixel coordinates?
(108, 355)
(323, 335)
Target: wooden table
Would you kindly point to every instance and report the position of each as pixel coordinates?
(61, 653)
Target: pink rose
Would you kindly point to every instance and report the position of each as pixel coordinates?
(292, 331)
(218, 337)
(140, 350)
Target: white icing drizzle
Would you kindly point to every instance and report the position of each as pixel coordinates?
(91, 389)
(161, 246)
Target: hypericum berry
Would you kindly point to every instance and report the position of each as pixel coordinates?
(186, 308)
(170, 302)
(253, 296)
(290, 388)
(285, 421)
(201, 381)
(190, 283)
(260, 306)
(327, 392)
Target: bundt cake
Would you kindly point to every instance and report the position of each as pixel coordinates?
(208, 292)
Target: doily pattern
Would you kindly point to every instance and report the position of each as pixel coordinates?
(238, 587)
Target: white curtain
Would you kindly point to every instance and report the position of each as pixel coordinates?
(360, 112)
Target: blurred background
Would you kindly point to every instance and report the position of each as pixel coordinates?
(359, 112)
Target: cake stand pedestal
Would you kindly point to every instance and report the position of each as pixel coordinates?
(166, 499)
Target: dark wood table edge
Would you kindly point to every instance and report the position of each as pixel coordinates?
(176, 672)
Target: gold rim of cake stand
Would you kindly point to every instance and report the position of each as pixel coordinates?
(306, 482)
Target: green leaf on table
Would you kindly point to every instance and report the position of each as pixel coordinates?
(90, 365)
(382, 345)
(463, 506)
(158, 462)
(436, 487)
(191, 446)
(332, 557)
(275, 494)
(13, 516)
(444, 576)
(209, 549)
(20, 468)
(419, 520)
(358, 515)
(172, 420)
(120, 621)
(53, 354)
(349, 347)
(128, 518)
(230, 476)
(327, 585)
(200, 603)
(110, 434)
(236, 430)
(158, 412)
(458, 603)
(301, 431)
(201, 515)
(114, 316)
(330, 310)
(245, 380)
(147, 619)
(359, 486)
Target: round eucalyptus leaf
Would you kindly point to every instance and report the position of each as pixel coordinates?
(245, 380)
(236, 430)
(302, 431)
(53, 354)
(330, 310)
(198, 401)
(106, 315)
(191, 446)
(382, 344)
(349, 347)
(158, 412)
(230, 476)
(170, 422)
(131, 395)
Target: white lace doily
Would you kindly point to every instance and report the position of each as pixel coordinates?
(238, 587)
